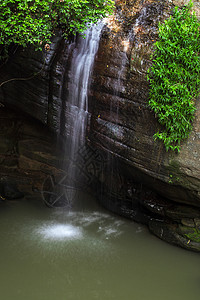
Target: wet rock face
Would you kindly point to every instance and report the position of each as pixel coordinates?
(178, 224)
(28, 155)
(32, 81)
(120, 117)
(121, 120)
(123, 126)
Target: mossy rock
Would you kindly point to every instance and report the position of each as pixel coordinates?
(194, 235)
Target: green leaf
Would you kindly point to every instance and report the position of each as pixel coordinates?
(174, 77)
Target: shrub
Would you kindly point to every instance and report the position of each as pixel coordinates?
(174, 76)
(26, 22)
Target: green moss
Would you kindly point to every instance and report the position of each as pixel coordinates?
(175, 76)
(194, 236)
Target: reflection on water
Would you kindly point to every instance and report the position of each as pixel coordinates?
(88, 254)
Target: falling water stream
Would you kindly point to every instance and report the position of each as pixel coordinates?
(78, 86)
(80, 74)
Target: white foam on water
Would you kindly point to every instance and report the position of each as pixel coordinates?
(60, 232)
(80, 226)
(109, 231)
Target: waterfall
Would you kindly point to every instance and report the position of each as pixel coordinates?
(75, 108)
(78, 86)
(80, 75)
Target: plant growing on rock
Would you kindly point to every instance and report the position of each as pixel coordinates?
(174, 76)
(194, 236)
(25, 22)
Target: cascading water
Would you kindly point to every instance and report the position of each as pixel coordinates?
(81, 69)
(75, 119)
(78, 86)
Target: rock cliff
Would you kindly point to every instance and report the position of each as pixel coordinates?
(124, 127)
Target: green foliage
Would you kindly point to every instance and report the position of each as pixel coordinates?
(195, 236)
(174, 76)
(26, 22)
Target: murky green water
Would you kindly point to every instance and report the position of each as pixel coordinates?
(88, 254)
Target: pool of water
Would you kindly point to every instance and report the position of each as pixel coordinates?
(88, 253)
